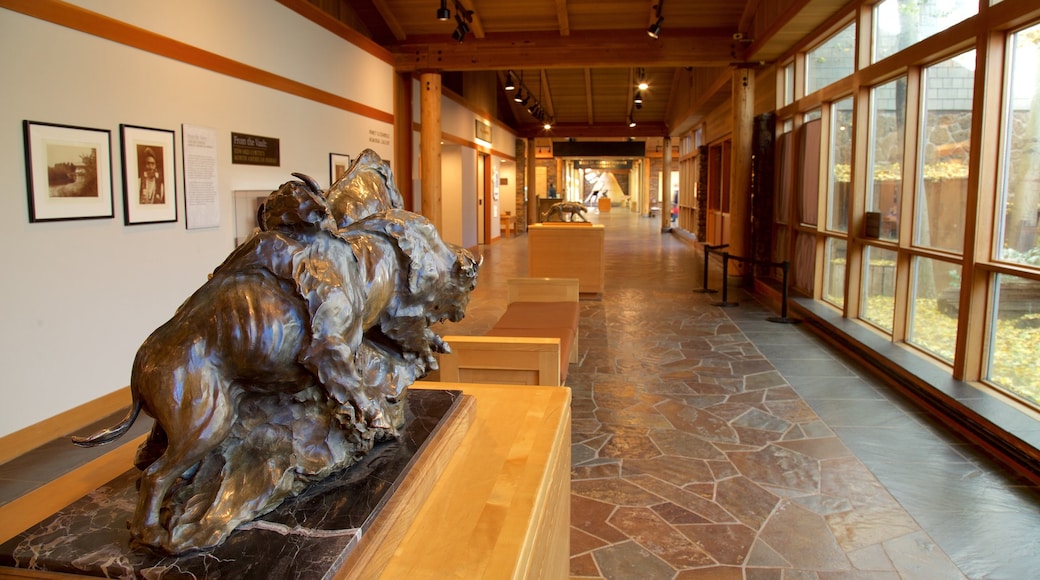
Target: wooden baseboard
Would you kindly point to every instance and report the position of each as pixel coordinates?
(63, 424)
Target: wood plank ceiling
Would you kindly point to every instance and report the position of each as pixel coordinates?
(581, 59)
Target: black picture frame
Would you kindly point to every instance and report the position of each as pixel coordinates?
(68, 172)
(149, 175)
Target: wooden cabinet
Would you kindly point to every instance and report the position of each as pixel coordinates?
(501, 508)
(568, 250)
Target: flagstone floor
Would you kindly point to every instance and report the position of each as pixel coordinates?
(709, 442)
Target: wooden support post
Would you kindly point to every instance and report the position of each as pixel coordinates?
(430, 145)
(743, 103)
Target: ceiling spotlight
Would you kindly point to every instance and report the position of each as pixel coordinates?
(519, 96)
(643, 85)
(443, 13)
(510, 84)
(639, 98)
(639, 105)
(631, 122)
(548, 124)
(655, 29)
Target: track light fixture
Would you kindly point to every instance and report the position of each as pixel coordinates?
(641, 80)
(527, 99)
(639, 98)
(443, 13)
(631, 122)
(655, 29)
(462, 18)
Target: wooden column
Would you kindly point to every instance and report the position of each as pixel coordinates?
(430, 145)
(403, 139)
(666, 186)
(743, 105)
(529, 183)
(645, 176)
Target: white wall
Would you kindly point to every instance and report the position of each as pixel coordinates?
(81, 296)
(452, 183)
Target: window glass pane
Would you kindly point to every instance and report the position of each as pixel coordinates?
(808, 179)
(840, 166)
(1014, 336)
(900, 23)
(933, 310)
(885, 172)
(830, 61)
(942, 184)
(812, 115)
(834, 273)
(1020, 199)
(879, 283)
(788, 84)
(803, 267)
(786, 177)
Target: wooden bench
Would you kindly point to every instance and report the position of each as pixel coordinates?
(568, 250)
(532, 343)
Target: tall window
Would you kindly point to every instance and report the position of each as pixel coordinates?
(879, 283)
(884, 171)
(1014, 331)
(834, 272)
(934, 306)
(942, 184)
(788, 92)
(1020, 191)
(900, 23)
(832, 60)
(840, 166)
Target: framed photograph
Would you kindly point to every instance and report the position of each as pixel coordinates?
(69, 172)
(338, 165)
(149, 175)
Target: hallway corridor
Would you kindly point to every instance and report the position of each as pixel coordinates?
(711, 443)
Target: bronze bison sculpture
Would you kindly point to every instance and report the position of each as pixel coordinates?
(292, 360)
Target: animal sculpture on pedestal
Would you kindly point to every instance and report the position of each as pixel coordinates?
(292, 360)
(565, 211)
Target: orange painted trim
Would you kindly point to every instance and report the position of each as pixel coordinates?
(86, 21)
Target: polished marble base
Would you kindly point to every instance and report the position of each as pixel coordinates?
(305, 537)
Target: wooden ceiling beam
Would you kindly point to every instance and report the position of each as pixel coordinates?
(391, 21)
(563, 18)
(613, 48)
(546, 99)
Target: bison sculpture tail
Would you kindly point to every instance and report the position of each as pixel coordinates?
(114, 432)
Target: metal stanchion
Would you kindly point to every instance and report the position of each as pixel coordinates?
(707, 249)
(725, 283)
(783, 319)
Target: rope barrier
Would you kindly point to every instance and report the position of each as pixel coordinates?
(785, 267)
(707, 248)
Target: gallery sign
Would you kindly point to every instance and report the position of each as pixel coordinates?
(254, 150)
(482, 131)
